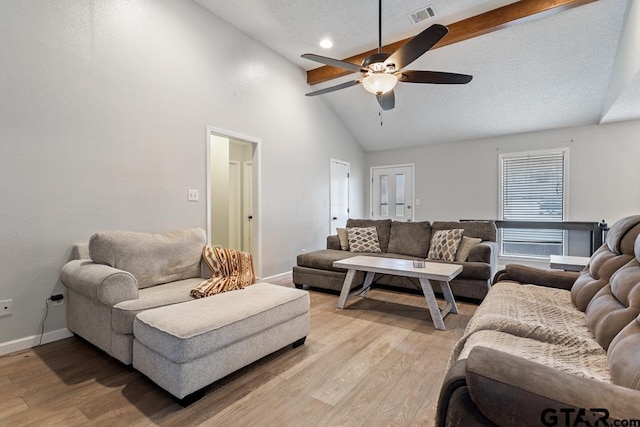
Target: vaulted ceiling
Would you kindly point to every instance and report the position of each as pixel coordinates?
(548, 71)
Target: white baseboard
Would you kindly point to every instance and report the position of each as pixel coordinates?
(278, 277)
(33, 341)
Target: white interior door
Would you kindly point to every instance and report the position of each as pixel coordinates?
(339, 194)
(235, 205)
(392, 192)
(247, 206)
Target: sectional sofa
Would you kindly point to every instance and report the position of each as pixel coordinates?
(551, 347)
(405, 240)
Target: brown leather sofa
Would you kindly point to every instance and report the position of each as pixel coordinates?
(553, 348)
(405, 240)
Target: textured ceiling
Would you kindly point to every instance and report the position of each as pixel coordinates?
(546, 73)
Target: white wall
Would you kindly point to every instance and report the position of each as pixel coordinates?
(460, 180)
(103, 121)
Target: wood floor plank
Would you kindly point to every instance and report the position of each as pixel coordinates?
(340, 382)
(377, 362)
(12, 405)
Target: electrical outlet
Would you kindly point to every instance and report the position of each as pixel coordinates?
(6, 307)
(192, 195)
(57, 299)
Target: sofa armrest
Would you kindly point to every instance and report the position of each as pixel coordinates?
(99, 282)
(510, 390)
(537, 276)
(333, 242)
(455, 407)
(485, 251)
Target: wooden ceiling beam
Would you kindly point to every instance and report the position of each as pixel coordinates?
(512, 14)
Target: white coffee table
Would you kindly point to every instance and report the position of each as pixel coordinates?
(431, 272)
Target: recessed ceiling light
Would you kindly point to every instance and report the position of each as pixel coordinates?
(326, 44)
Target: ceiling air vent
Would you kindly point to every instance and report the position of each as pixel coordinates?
(422, 14)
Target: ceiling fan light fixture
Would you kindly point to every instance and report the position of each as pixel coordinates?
(379, 83)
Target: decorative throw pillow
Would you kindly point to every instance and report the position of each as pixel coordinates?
(465, 246)
(363, 239)
(444, 244)
(231, 270)
(344, 238)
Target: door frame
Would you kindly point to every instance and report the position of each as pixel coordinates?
(413, 186)
(348, 165)
(257, 194)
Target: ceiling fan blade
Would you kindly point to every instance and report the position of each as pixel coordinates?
(417, 46)
(334, 88)
(433, 77)
(333, 62)
(387, 100)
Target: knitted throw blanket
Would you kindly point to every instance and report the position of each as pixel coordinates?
(536, 323)
(231, 269)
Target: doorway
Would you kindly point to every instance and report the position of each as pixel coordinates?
(392, 192)
(339, 203)
(233, 192)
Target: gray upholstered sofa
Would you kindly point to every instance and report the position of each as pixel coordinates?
(553, 348)
(129, 294)
(406, 240)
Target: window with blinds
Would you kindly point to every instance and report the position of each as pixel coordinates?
(532, 188)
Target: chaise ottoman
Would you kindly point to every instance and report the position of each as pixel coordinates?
(185, 347)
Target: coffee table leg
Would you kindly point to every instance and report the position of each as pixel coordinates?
(368, 279)
(448, 296)
(434, 309)
(346, 287)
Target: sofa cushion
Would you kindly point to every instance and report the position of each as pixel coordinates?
(122, 314)
(606, 260)
(624, 356)
(621, 237)
(444, 244)
(466, 244)
(615, 305)
(410, 238)
(363, 239)
(323, 259)
(383, 228)
(485, 230)
(151, 258)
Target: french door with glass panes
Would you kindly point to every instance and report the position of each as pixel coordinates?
(392, 192)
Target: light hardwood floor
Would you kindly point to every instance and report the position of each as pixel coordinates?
(378, 362)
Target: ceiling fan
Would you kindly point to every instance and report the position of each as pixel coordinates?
(381, 71)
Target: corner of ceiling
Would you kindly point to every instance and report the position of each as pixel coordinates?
(625, 71)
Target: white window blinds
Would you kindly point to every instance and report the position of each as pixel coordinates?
(533, 189)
